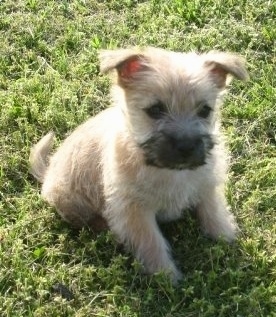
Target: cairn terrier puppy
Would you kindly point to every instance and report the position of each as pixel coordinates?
(156, 151)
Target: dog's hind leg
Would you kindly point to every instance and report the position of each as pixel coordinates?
(75, 210)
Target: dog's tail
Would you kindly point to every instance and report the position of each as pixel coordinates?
(39, 156)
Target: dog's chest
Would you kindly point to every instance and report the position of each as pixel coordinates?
(169, 192)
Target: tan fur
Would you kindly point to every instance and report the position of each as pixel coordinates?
(99, 174)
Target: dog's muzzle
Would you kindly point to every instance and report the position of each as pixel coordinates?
(168, 151)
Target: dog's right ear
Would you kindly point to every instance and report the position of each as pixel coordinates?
(127, 62)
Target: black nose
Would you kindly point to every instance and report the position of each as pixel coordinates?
(189, 146)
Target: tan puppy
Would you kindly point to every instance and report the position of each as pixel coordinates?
(156, 151)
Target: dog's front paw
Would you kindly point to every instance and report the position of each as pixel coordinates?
(171, 271)
(222, 226)
(176, 276)
(215, 216)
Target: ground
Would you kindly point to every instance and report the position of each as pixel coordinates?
(49, 80)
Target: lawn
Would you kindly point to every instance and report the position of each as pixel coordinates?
(50, 80)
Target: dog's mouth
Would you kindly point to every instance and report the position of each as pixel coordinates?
(175, 166)
(163, 151)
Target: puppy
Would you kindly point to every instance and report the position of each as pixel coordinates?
(156, 151)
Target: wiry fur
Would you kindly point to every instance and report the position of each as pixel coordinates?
(100, 172)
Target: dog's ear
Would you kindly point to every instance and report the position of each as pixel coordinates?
(223, 64)
(127, 62)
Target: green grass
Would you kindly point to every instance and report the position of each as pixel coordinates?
(49, 80)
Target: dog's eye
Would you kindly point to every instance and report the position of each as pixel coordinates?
(156, 111)
(205, 111)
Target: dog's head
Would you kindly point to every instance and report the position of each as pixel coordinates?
(170, 100)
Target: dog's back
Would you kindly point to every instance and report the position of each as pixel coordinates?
(72, 177)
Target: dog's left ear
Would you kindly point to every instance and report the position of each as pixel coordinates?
(127, 62)
(223, 64)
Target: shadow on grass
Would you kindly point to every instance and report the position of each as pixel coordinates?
(219, 279)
